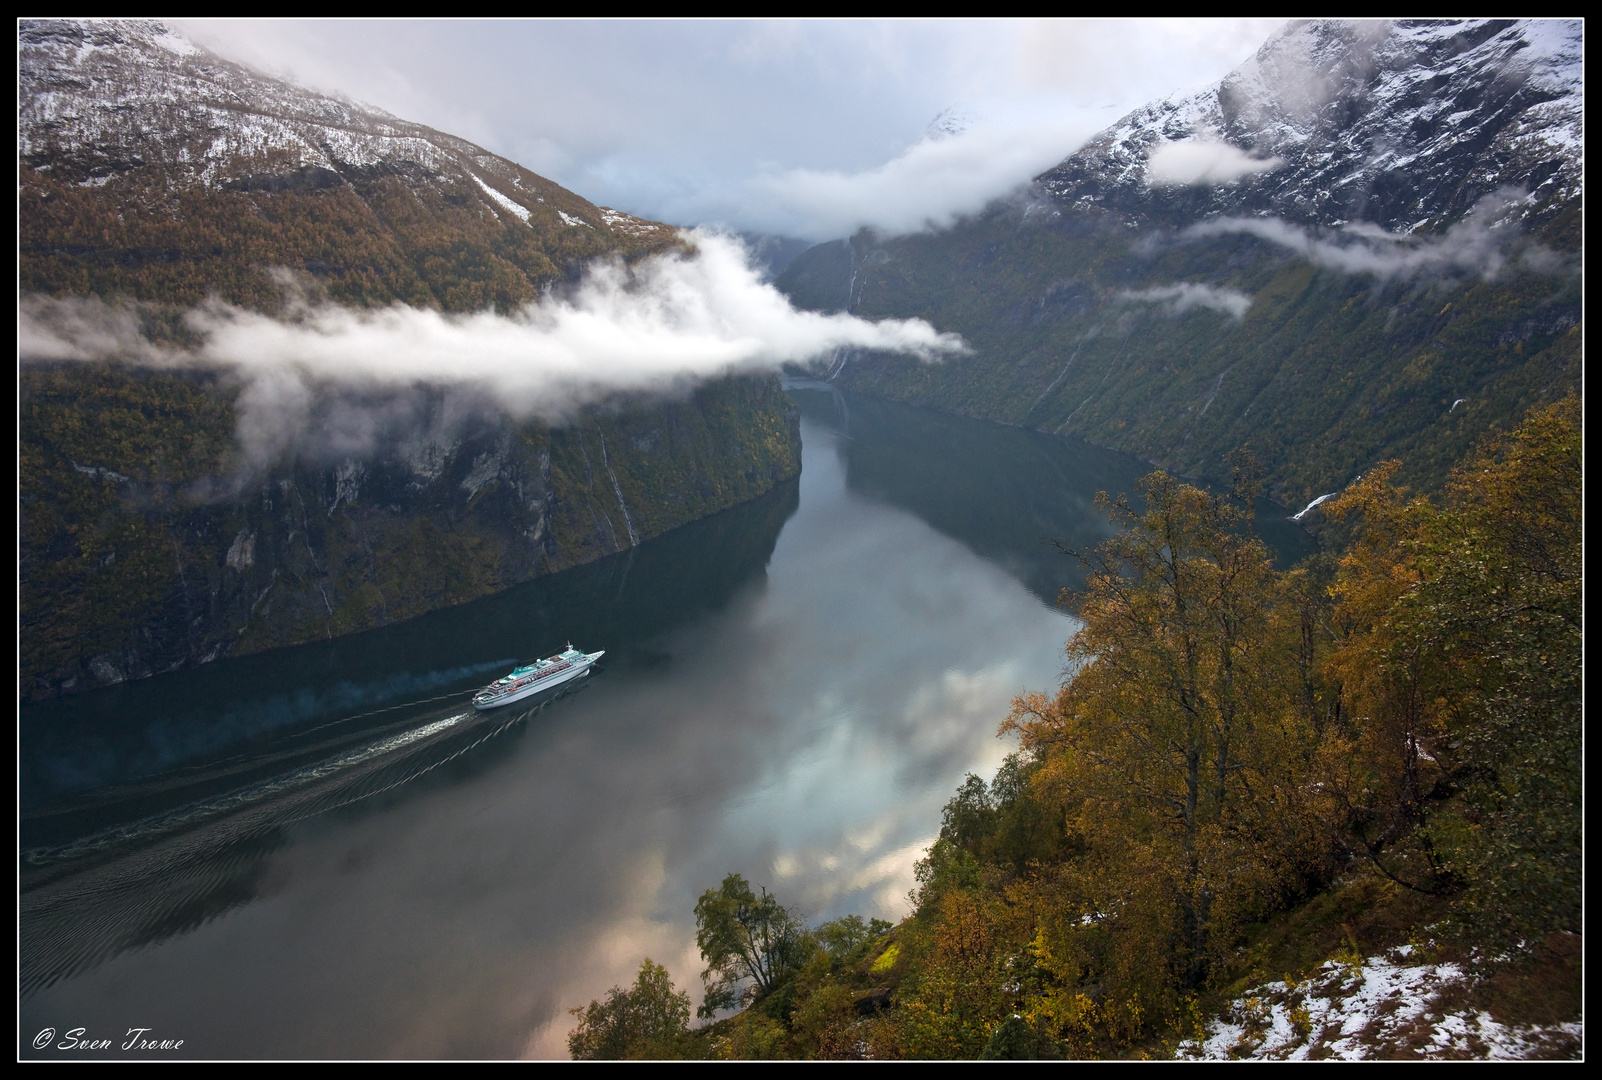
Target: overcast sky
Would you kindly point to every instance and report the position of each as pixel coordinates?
(806, 129)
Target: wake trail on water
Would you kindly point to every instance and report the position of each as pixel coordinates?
(121, 887)
(172, 820)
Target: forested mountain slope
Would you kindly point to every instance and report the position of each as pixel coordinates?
(1364, 243)
(155, 176)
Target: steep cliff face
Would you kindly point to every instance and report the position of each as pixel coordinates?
(156, 175)
(1364, 243)
(142, 552)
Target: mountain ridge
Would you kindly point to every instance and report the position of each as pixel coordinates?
(157, 176)
(139, 150)
(1344, 106)
(1227, 305)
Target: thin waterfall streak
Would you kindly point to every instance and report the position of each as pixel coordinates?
(1059, 377)
(1099, 385)
(1216, 387)
(628, 521)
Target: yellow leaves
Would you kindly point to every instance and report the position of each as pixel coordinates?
(1031, 715)
(964, 937)
(1419, 369)
(1184, 753)
(1072, 1014)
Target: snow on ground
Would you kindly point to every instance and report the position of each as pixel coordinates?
(1381, 1006)
(619, 221)
(520, 211)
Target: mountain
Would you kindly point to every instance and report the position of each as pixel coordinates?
(154, 169)
(1405, 126)
(128, 568)
(155, 175)
(1363, 243)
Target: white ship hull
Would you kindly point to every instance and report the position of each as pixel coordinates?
(524, 682)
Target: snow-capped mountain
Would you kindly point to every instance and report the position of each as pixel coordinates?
(1364, 243)
(157, 176)
(102, 101)
(1405, 125)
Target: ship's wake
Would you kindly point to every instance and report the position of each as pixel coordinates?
(135, 882)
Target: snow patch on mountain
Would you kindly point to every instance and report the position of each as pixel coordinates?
(99, 100)
(503, 201)
(618, 221)
(1405, 124)
(115, 96)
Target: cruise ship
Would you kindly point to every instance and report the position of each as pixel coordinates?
(531, 678)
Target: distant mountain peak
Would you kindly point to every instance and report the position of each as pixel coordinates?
(948, 123)
(1402, 124)
(104, 99)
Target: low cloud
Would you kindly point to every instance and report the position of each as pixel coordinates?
(1479, 244)
(931, 185)
(1194, 162)
(77, 329)
(699, 121)
(1187, 295)
(660, 326)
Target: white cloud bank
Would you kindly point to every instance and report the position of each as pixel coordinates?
(1193, 162)
(702, 121)
(656, 327)
(932, 184)
(1482, 243)
(1186, 295)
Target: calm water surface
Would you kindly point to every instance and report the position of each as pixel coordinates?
(323, 852)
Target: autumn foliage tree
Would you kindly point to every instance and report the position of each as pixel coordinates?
(1184, 757)
(1232, 741)
(1460, 657)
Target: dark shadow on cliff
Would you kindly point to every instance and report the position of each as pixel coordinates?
(146, 743)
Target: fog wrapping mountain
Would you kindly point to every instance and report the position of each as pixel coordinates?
(1362, 243)
(156, 175)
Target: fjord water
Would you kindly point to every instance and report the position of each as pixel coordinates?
(323, 851)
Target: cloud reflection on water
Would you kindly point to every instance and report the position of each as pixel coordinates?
(805, 736)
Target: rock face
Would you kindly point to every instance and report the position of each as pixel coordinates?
(1364, 243)
(1401, 125)
(141, 553)
(155, 172)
